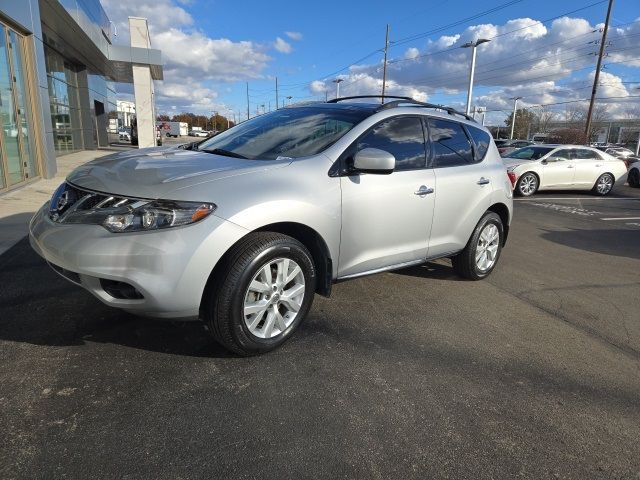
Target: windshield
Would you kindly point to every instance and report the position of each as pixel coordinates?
(529, 153)
(289, 132)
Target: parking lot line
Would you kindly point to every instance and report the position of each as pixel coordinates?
(621, 218)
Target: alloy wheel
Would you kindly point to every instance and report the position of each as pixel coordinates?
(528, 184)
(274, 297)
(605, 184)
(487, 247)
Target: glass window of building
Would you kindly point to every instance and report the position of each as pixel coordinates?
(64, 104)
(17, 162)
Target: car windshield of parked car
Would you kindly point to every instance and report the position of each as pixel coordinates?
(288, 132)
(529, 153)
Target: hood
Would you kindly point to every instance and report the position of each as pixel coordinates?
(157, 172)
(514, 162)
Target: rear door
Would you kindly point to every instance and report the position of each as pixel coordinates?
(464, 187)
(588, 167)
(386, 219)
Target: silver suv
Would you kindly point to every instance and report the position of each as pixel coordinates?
(242, 229)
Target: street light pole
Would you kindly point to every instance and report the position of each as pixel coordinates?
(337, 82)
(513, 119)
(473, 46)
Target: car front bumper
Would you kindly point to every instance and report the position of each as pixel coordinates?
(169, 268)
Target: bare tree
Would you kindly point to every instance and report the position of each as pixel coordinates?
(544, 117)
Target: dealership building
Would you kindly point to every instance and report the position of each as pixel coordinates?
(58, 69)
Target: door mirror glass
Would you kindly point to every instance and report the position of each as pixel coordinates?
(374, 160)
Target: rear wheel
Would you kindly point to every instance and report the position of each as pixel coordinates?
(482, 252)
(262, 294)
(604, 184)
(527, 184)
(634, 178)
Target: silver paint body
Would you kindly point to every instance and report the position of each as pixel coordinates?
(369, 222)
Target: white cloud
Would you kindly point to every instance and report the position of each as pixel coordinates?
(297, 36)
(544, 64)
(192, 59)
(282, 46)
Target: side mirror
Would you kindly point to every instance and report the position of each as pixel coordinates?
(374, 160)
(544, 162)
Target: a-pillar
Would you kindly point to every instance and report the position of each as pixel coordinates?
(143, 86)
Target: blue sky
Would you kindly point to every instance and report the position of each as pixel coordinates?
(213, 47)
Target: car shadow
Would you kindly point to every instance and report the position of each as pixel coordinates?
(437, 270)
(615, 242)
(39, 307)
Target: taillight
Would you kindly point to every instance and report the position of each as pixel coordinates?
(512, 178)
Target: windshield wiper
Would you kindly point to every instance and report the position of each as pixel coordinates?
(226, 153)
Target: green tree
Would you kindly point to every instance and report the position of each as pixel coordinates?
(525, 123)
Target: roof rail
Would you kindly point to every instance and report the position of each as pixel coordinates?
(402, 101)
(416, 103)
(340, 99)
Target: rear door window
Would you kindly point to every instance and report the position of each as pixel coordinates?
(450, 145)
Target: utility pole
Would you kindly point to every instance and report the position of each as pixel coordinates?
(513, 119)
(247, 100)
(384, 66)
(473, 46)
(596, 78)
(276, 96)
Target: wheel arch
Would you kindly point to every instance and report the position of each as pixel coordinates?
(306, 235)
(503, 212)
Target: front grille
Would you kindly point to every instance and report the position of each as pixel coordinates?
(69, 199)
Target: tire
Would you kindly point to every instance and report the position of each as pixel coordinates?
(466, 264)
(604, 185)
(634, 178)
(527, 185)
(231, 308)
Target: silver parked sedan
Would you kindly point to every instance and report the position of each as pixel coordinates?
(242, 229)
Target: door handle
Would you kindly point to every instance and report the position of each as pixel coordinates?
(569, 166)
(598, 165)
(423, 190)
(483, 181)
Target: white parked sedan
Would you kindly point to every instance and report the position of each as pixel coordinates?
(563, 167)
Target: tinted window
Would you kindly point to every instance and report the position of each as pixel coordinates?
(451, 146)
(561, 155)
(529, 153)
(288, 132)
(584, 154)
(402, 137)
(482, 140)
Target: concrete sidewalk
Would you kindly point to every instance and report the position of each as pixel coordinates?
(18, 206)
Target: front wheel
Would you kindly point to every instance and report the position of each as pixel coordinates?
(482, 252)
(527, 184)
(262, 293)
(603, 185)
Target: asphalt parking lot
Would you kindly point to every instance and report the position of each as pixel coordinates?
(531, 373)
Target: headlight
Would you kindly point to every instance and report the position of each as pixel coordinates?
(70, 204)
(158, 215)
